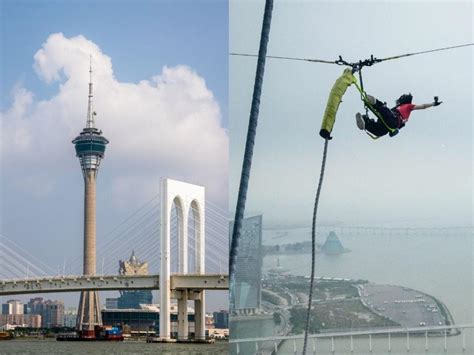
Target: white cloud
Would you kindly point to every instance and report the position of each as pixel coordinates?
(168, 125)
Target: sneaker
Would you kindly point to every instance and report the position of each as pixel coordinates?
(360, 121)
(371, 100)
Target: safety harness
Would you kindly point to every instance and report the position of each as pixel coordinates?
(357, 67)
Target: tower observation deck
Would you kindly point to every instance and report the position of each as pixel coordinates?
(90, 149)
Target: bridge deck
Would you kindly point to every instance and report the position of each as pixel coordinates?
(114, 282)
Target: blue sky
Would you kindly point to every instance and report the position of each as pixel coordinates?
(140, 36)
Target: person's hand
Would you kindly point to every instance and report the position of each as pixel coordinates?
(436, 102)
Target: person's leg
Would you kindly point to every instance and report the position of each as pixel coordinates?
(377, 128)
(386, 114)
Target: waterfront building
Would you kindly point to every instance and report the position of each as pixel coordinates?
(146, 319)
(246, 288)
(209, 321)
(133, 299)
(111, 303)
(70, 316)
(221, 319)
(90, 149)
(11, 321)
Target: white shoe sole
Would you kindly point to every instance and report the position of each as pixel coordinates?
(371, 99)
(360, 121)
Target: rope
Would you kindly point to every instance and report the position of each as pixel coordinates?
(252, 130)
(313, 244)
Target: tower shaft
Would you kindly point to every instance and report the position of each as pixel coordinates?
(89, 305)
(89, 223)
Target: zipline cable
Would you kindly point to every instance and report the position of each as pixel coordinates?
(287, 58)
(313, 244)
(428, 51)
(342, 62)
(252, 130)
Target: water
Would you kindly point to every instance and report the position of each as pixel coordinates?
(27, 347)
(437, 265)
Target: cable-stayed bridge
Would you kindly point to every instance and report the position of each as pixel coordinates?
(183, 236)
(140, 232)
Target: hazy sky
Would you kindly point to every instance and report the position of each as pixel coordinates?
(160, 91)
(420, 177)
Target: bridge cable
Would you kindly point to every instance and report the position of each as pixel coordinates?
(251, 132)
(313, 243)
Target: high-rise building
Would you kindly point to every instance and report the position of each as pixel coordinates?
(246, 288)
(26, 309)
(70, 316)
(6, 308)
(12, 307)
(36, 305)
(51, 312)
(221, 319)
(133, 299)
(90, 149)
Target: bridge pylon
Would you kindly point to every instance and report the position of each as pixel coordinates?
(187, 198)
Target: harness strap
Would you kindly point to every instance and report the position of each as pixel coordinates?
(368, 106)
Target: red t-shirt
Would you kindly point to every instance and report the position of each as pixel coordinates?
(405, 111)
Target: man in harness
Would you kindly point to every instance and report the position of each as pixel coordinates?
(389, 120)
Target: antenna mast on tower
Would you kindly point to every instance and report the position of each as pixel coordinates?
(90, 113)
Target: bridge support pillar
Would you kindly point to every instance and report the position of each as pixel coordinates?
(183, 324)
(186, 198)
(200, 317)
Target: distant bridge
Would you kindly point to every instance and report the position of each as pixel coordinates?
(376, 331)
(196, 282)
(271, 344)
(378, 230)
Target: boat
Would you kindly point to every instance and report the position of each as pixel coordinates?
(100, 333)
(5, 336)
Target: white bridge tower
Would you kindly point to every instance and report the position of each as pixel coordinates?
(187, 198)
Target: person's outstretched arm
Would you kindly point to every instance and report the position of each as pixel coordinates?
(423, 106)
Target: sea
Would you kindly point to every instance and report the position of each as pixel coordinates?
(51, 346)
(436, 264)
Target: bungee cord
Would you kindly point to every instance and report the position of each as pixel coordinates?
(313, 243)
